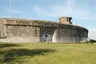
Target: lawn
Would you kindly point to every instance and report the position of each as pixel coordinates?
(44, 53)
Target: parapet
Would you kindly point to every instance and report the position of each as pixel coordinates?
(64, 22)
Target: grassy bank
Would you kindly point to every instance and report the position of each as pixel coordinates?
(43, 53)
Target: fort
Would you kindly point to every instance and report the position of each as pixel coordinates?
(26, 30)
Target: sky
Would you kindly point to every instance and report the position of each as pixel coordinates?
(83, 12)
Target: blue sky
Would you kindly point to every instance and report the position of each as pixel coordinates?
(83, 12)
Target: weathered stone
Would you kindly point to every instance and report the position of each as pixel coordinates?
(25, 30)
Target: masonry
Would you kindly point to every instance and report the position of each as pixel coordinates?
(25, 30)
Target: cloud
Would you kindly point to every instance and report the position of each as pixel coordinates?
(92, 33)
(70, 8)
(15, 11)
(41, 11)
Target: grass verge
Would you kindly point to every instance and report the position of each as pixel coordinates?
(44, 53)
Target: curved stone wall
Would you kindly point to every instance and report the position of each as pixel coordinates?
(70, 34)
(24, 30)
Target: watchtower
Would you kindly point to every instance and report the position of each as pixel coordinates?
(65, 20)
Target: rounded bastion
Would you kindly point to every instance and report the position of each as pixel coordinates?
(27, 30)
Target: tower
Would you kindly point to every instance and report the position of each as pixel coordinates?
(65, 20)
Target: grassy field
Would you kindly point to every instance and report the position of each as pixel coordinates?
(44, 53)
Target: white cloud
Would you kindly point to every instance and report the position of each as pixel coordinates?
(41, 11)
(92, 33)
(16, 11)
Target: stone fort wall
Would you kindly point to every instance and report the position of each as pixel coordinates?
(25, 30)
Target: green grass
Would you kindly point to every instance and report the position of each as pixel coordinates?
(44, 53)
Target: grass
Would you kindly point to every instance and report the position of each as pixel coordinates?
(44, 53)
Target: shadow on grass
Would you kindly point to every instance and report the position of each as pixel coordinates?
(3, 45)
(16, 53)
